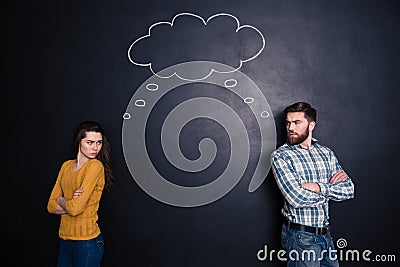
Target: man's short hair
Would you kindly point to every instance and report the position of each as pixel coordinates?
(309, 112)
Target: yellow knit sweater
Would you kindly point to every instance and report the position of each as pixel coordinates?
(80, 223)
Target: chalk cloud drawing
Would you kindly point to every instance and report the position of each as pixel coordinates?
(207, 69)
(169, 40)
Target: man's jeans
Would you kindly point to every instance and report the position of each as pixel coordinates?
(77, 253)
(308, 249)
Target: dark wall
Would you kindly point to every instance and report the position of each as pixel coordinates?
(66, 61)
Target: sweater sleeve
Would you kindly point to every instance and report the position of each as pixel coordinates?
(56, 192)
(92, 175)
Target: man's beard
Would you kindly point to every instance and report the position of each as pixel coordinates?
(298, 139)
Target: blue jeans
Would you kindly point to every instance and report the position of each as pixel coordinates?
(308, 249)
(81, 253)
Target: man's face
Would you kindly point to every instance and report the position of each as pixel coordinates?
(297, 127)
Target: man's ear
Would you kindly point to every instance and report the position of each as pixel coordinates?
(312, 125)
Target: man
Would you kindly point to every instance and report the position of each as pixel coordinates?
(308, 175)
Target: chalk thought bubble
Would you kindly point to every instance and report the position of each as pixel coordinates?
(189, 37)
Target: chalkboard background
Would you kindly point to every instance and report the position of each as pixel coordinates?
(66, 61)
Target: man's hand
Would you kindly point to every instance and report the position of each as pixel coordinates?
(339, 176)
(78, 192)
(312, 187)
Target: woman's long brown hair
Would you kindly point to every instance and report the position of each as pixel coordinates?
(104, 154)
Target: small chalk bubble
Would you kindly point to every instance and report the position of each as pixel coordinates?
(248, 100)
(230, 83)
(264, 114)
(126, 116)
(152, 87)
(140, 103)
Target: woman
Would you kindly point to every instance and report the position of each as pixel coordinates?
(76, 197)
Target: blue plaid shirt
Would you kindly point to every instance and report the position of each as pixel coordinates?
(293, 165)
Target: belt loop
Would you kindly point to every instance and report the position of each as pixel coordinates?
(316, 230)
(288, 224)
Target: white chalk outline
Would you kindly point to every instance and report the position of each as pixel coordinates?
(140, 103)
(126, 116)
(152, 87)
(264, 114)
(248, 100)
(205, 23)
(230, 85)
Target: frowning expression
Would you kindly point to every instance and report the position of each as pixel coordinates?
(91, 145)
(297, 127)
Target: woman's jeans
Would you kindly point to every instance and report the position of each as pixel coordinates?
(308, 249)
(81, 253)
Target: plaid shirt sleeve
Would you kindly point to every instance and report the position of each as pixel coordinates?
(337, 191)
(290, 185)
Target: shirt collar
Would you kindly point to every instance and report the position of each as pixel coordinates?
(313, 142)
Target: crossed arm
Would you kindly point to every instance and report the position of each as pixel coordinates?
(302, 194)
(62, 202)
(339, 176)
(58, 204)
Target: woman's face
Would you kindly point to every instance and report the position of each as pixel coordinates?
(91, 145)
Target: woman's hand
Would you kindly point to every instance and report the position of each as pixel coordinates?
(60, 210)
(78, 192)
